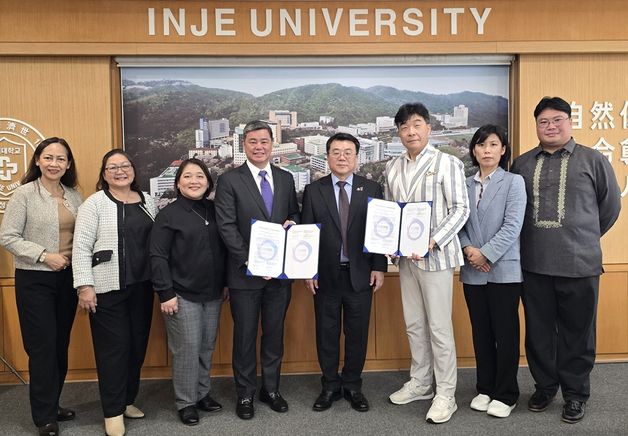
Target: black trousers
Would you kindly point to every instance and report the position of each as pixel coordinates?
(120, 329)
(246, 306)
(494, 312)
(560, 317)
(336, 308)
(46, 305)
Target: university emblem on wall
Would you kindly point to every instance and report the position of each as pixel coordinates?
(18, 141)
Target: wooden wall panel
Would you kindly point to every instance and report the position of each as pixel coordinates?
(612, 320)
(122, 27)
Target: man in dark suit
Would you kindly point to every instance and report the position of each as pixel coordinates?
(255, 190)
(347, 276)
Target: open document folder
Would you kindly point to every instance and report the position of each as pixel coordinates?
(290, 253)
(397, 228)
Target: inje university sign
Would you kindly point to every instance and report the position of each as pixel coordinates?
(315, 21)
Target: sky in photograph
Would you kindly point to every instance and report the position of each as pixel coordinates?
(259, 81)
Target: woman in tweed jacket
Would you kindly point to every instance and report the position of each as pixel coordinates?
(37, 229)
(112, 276)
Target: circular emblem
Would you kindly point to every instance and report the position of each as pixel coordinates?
(302, 251)
(415, 229)
(267, 250)
(18, 141)
(383, 227)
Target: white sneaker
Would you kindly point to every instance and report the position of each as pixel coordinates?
(441, 410)
(411, 391)
(499, 409)
(480, 403)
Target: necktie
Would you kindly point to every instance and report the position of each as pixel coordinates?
(343, 209)
(267, 192)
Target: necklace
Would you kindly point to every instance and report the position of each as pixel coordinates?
(199, 215)
(119, 196)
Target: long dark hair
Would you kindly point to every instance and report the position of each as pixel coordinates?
(203, 167)
(102, 183)
(70, 178)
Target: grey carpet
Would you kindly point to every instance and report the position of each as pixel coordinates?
(607, 413)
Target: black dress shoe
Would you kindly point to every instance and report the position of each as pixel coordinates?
(276, 401)
(540, 400)
(50, 429)
(573, 411)
(208, 404)
(245, 408)
(357, 400)
(189, 415)
(325, 400)
(64, 414)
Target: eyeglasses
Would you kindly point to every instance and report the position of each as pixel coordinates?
(545, 123)
(112, 169)
(337, 153)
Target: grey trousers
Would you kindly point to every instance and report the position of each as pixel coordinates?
(191, 340)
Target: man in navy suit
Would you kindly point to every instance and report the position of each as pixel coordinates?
(347, 276)
(255, 190)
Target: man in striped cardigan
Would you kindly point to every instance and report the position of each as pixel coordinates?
(423, 173)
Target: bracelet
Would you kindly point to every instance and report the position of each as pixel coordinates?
(42, 257)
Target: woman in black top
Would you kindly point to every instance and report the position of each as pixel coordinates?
(188, 263)
(112, 276)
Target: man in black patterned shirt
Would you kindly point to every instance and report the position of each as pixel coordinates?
(573, 199)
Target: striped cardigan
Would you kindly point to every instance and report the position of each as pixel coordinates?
(440, 179)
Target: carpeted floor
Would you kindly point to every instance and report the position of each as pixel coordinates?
(607, 410)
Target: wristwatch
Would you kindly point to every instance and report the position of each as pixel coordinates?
(42, 257)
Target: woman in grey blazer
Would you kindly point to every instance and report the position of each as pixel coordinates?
(38, 229)
(492, 273)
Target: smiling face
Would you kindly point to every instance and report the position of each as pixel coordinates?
(258, 146)
(118, 172)
(414, 134)
(489, 153)
(553, 128)
(53, 162)
(193, 183)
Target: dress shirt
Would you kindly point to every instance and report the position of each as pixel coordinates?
(258, 179)
(348, 188)
(480, 186)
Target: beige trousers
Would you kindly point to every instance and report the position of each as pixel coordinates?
(427, 303)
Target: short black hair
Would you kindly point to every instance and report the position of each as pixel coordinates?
(480, 136)
(203, 167)
(257, 125)
(407, 110)
(555, 103)
(341, 136)
(102, 184)
(70, 178)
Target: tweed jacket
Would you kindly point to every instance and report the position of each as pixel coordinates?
(440, 179)
(97, 250)
(494, 226)
(31, 223)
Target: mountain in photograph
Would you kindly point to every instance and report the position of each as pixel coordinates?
(160, 116)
